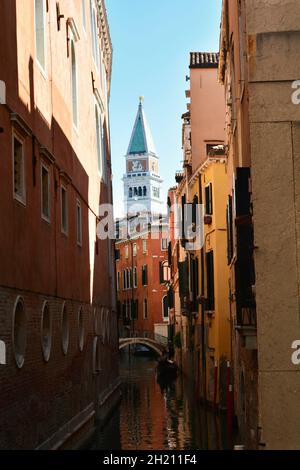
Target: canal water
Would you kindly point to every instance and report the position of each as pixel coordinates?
(158, 417)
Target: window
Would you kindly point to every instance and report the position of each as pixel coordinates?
(129, 278)
(74, 85)
(161, 272)
(144, 191)
(64, 210)
(126, 251)
(229, 220)
(83, 14)
(45, 193)
(210, 147)
(65, 330)
(19, 170)
(95, 44)
(208, 200)
(40, 26)
(134, 309)
(124, 280)
(145, 309)
(194, 282)
(19, 332)
(144, 246)
(134, 249)
(140, 191)
(165, 307)
(210, 281)
(164, 244)
(100, 141)
(135, 280)
(46, 333)
(79, 223)
(145, 275)
(80, 330)
(130, 193)
(118, 280)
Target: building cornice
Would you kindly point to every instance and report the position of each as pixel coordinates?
(106, 38)
(203, 167)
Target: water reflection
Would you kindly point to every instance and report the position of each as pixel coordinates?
(159, 416)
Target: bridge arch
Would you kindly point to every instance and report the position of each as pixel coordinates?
(151, 344)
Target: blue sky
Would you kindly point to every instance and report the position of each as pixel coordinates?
(151, 41)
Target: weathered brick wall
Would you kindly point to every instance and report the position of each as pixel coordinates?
(39, 398)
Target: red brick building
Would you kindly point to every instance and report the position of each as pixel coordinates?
(58, 323)
(142, 293)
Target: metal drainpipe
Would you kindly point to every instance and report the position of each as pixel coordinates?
(203, 349)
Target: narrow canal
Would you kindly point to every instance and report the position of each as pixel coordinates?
(159, 418)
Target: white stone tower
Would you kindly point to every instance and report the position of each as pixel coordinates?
(142, 183)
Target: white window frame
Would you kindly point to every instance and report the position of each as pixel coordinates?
(144, 246)
(162, 248)
(74, 93)
(65, 230)
(21, 199)
(94, 34)
(78, 223)
(126, 252)
(83, 7)
(41, 66)
(45, 217)
(134, 249)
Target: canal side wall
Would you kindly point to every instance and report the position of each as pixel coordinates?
(54, 404)
(57, 283)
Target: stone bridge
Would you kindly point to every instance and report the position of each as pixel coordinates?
(157, 346)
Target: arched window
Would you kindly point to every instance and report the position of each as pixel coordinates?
(80, 329)
(135, 191)
(130, 192)
(145, 309)
(74, 84)
(46, 332)
(2, 353)
(83, 14)
(144, 191)
(95, 43)
(65, 330)
(40, 23)
(140, 191)
(165, 308)
(19, 332)
(99, 141)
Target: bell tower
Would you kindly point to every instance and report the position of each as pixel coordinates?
(142, 183)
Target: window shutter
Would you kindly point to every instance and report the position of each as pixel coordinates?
(170, 254)
(244, 268)
(171, 298)
(210, 281)
(242, 193)
(161, 272)
(229, 230)
(183, 279)
(208, 200)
